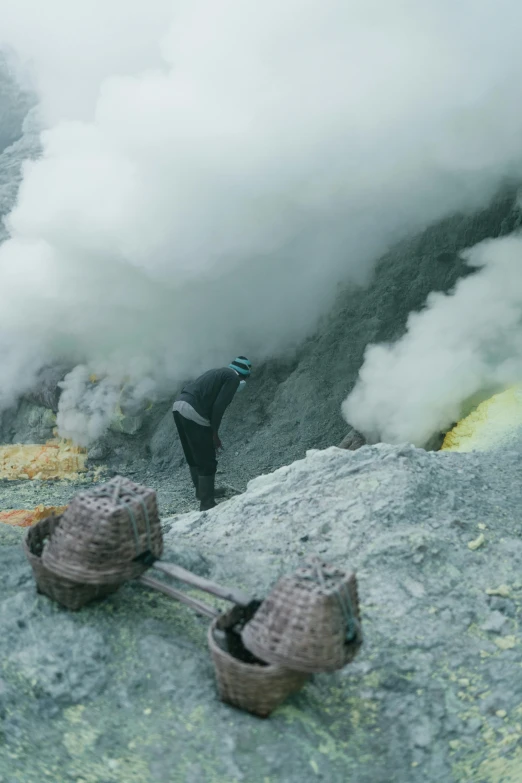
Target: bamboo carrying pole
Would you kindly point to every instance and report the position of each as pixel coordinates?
(237, 597)
(194, 603)
(227, 593)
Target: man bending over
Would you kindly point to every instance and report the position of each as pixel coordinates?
(197, 413)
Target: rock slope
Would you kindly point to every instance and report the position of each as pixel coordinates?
(123, 691)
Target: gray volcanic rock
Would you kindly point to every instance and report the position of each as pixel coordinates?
(123, 691)
(11, 159)
(46, 390)
(352, 441)
(32, 424)
(19, 139)
(14, 106)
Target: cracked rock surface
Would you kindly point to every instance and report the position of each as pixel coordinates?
(123, 691)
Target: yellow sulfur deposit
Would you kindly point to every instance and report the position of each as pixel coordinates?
(492, 424)
(26, 517)
(57, 459)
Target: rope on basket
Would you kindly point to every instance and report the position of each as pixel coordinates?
(345, 603)
(113, 492)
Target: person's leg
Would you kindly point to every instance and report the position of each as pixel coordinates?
(194, 475)
(180, 422)
(203, 449)
(207, 493)
(207, 472)
(208, 465)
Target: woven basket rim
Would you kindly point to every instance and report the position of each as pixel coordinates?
(249, 668)
(30, 532)
(281, 660)
(67, 592)
(92, 576)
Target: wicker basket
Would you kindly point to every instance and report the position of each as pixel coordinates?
(242, 679)
(102, 531)
(310, 621)
(72, 595)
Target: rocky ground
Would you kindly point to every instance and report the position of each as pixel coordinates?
(123, 691)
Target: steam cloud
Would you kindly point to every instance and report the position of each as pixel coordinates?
(462, 344)
(201, 192)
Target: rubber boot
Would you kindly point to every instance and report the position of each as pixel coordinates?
(219, 492)
(194, 475)
(206, 492)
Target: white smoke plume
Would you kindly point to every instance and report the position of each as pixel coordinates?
(90, 404)
(212, 169)
(86, 405)
(464, 344)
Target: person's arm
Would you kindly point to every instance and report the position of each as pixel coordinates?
(223, 400)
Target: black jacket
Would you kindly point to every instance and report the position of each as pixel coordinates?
(211, 394)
